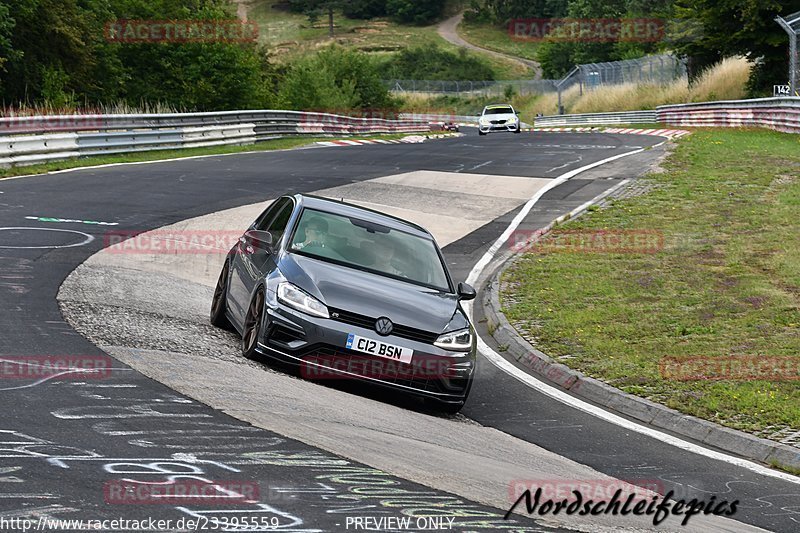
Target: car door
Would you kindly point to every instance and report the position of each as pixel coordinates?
(248, 261)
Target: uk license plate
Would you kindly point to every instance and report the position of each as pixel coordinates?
(379, 348)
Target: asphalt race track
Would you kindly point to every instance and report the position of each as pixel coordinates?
(65, 443)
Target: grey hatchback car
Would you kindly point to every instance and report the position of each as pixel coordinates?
(349, 293)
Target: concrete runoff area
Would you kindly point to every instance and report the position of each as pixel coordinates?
(159, 326)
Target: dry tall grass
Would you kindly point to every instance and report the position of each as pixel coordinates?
(724, 81)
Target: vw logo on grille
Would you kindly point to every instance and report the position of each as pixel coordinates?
(384, 326)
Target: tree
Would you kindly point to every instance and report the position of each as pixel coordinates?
(364, 9)
(60, 52)
(504, 10)
(314, 9)
(335, 79)
(6, 27)
(415, 11)
(739, 27)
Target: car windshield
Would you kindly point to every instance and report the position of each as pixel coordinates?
(371, 247)
(498, 111)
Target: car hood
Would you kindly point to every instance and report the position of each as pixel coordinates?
(370, 294)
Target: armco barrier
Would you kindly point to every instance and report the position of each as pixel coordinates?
(37, 139)
(588, 119)
(781, 114)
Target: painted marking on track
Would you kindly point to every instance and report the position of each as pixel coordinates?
(562, 396)
(87, 238)
(71, 220)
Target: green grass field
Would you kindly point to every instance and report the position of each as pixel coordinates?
(725, 283)
(496, 38)
(291, 35)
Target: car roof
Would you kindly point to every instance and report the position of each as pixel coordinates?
(340, 207)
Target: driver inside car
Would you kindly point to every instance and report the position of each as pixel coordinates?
(384, 250)
(316, 234)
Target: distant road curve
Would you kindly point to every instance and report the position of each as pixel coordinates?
(448, 29)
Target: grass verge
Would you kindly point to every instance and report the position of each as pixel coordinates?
(157, 155)
(493, 37)
(725, 283)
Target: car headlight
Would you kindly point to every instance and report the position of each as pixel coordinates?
(297, 298)
(459, 340)
(483, 121)
(513, 119)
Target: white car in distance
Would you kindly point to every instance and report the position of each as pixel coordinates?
(498, 117)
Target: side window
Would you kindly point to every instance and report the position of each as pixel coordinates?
(266, 217)
(278, 225)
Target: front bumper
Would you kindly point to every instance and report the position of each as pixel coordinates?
(507, 126)
(317, 345)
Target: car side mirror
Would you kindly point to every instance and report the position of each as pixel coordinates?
(516, 112)
(259, 239)
(466, 292)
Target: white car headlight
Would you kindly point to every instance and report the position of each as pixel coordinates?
(484, 120)
(513, 119)
(459, 340)
(297, 298)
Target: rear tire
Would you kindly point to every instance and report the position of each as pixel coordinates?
(252, 326)
(219, 306)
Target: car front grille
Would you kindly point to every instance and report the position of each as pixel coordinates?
(498, 122)
(399, 330)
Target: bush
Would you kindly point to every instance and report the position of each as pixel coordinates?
(364, 9)
(434, 63)
(335, 79)
(415, 11)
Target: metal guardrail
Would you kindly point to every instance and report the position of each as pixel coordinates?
(26, 140)
(781, 114)
(438, 118)
(588, 119)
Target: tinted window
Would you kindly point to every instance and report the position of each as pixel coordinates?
(278, 225)
(266, 217)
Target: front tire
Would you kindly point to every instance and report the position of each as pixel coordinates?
(252, 326)
(219, 306)
(481, 132)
